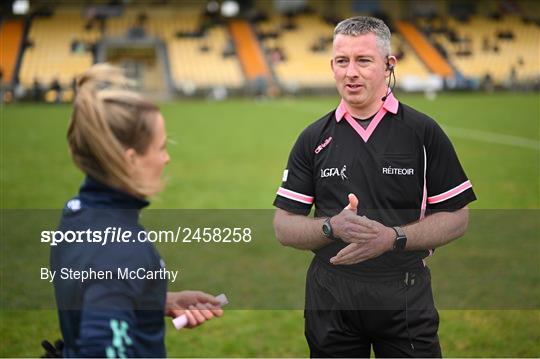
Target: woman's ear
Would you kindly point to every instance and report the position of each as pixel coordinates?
(131, 157)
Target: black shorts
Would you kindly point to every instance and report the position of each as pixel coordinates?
(346, 315)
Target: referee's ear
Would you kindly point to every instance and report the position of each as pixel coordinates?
(391, 62)
(332, 64)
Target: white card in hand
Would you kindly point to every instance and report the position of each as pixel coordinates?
(182, 320)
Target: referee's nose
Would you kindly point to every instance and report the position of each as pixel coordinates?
(352, 71)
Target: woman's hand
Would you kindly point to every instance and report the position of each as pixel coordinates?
(197, 306)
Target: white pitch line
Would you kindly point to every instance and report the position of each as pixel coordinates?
(492, 137)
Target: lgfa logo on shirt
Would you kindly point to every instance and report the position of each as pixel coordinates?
(331, 172)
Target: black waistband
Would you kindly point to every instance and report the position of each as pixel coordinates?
(372, 275)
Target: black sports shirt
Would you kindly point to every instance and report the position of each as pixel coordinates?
(400, 167)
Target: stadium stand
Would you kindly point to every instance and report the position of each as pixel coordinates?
(504, 50)
(299, 65)
(195, 60)
(11, 33)
(193, 50)
(429, 55)
(50, 53)
(409, 64)
(248, 50)
(300, 49)
(196, 51)
(200, 61)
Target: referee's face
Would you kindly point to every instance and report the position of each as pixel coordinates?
(359, 70)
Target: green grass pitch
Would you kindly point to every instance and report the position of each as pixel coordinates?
(230, 155)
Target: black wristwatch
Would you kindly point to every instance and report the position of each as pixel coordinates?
(327, 229)
(401, 239)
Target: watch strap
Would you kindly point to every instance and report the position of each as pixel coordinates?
(328, 230)
(401, 239)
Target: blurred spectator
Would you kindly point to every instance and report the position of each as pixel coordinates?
(255, 15)
(57, 88)
(77, 46)
(441, 49)
(508, 7)
(487, 83)
(142, 18)
(229, 49)
(37, 90)
(289, 23)
(442, 28)
(512, 79)
(218, 93)
(74, 85)
(277, 55)
(485, 44)
(505, 35)
(464, 47)
(452, 36)
(92, 47)
(29, 43)
(204, 47)
(331, 19)
(89, 25)
(321, 44)
(261, 86)
(495, 16)
(7, 96)
(138, 31)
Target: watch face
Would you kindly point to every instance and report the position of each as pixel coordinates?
(400, 243)
(326, 229)
(401, 239)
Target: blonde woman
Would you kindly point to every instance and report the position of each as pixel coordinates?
(118, 139)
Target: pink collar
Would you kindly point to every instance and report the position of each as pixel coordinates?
(391, 104)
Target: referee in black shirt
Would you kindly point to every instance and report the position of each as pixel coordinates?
(388, 189)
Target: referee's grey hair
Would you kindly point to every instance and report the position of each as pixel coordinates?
(361, 25)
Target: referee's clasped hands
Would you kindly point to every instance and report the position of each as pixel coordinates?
(368, 238)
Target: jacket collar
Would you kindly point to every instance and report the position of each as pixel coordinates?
(95, 194)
